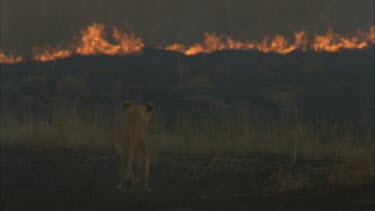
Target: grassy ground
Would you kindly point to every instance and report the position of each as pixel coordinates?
(231, 161)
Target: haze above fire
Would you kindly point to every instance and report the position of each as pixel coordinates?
(26, 23)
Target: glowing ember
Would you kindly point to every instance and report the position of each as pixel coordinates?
(9, 59)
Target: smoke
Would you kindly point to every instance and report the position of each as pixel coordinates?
(26, 23)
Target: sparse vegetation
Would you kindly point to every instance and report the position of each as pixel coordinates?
(229, 128)
(348, 154)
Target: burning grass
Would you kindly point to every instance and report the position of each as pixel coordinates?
(9, 58)
(93, 41)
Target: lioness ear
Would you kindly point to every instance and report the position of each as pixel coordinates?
(150, 107)
(126, 105)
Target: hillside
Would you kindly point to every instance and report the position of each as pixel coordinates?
(312, 83)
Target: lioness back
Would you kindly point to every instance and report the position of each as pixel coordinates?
(133, 128)
(133, 142)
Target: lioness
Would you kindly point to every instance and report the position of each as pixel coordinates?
(132, 141)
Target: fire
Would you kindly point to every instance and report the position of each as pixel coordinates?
(330, 42)
(372, 34)
(214, 42)
(93, 42)
(49, 53)
(129, 43)
(9, 59)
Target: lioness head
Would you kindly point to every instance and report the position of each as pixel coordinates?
(144, 110)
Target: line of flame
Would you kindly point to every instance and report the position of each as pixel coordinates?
(330, 42)
(93, 41)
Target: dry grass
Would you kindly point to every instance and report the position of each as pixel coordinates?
(351, 155)
(232, 133)
(63, 128)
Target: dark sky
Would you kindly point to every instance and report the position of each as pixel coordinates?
(26, 23)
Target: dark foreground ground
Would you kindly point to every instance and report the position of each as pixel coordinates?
(85, 180)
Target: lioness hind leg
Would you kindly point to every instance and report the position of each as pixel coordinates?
(143, 170)
(122, 170)
(140, 173)
(129, 175)
(126, 170)
(147, 172)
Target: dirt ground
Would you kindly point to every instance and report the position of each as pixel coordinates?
(62, 179)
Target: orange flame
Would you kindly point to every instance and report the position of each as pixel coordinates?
(372, 34)
(9, 59)
(213, 42)
(93, 42)
(129, 43)
(49, 53)
(330, 42)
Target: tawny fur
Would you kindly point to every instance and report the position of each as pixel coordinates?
(132, 143)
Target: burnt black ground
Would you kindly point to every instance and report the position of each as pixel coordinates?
(71, 179)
